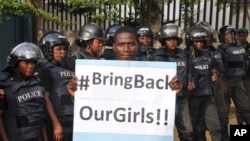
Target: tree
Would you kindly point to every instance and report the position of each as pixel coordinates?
(146, 11)
(20, 8)
(188, 12)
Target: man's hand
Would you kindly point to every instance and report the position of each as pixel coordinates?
(175, 84)
(191, 85)
(214, 75)
(72, 86)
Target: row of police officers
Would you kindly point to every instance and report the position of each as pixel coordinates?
(37, 106)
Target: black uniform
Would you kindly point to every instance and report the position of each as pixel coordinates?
(146, 55)
(23, 106)
(219, 92)
(201, 98)
(183, 119)
(234, 58)
(55, 79)
(246, 78)
(69, 62)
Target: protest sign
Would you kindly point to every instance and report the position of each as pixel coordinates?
(124, 100)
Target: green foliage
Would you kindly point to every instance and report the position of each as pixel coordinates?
(20, 8)
(147, 12)
(222, 3)
(97, 10)
(187, 8)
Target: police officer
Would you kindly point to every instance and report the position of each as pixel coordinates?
(145, 42)
(108, 52)
(219, 86)
(242, 34)
(90, 41)
(170, 38)
(22, 112)
(201, 99)
(234, 58)
(54, 77)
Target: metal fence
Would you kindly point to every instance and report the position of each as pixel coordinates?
(236, 14)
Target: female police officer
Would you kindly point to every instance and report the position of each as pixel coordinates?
(22, 113)
(54, 78)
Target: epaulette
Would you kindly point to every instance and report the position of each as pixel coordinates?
(159, 51)
(43, 64)
(4, 76)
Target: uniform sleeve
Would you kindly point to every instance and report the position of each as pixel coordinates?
(45, 78)
(158, 55)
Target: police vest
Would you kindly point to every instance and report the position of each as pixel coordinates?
(201, 72)
(25, 114)
(218, 62)
(181, 61)
(234, 61)
(59, 96)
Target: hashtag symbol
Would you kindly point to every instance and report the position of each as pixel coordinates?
(84, 82)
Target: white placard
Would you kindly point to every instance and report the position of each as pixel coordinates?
(124, 100)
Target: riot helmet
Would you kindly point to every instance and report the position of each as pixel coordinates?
(224, 30)
(23, 51)
(145, 38)
(195, 34)
(208, 28)
(109, 34)
(51, 39)
(88, 32)
(170, 30)
(144, 31)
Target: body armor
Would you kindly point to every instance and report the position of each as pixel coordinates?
(181, 60)
(25, 114)
(234, 60)
(201, 72)
(59, 96)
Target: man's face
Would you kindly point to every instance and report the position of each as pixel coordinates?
(242, 37)
(125, 46)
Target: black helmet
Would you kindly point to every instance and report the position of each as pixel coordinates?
(49, 40)
(109, 34)
(223, 30)
(90, 31)
(170, 30)
(144, 31)
(196, 33)
(206, 26)
(23, 51)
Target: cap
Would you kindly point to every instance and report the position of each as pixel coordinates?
(242, 30)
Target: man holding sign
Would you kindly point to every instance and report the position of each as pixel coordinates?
(140, 102)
